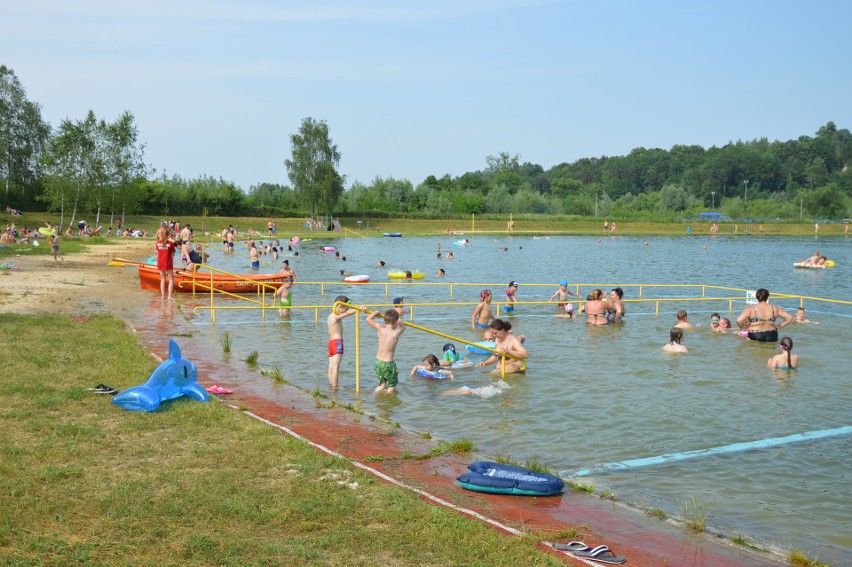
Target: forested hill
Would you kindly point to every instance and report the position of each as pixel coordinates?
(760, 178)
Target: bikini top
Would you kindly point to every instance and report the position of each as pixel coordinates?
(757, 318)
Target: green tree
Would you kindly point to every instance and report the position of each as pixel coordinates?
(23, 134)
(313, 167)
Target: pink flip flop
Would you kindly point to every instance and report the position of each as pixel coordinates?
(219, 390)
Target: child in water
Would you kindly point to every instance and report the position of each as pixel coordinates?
(716, 324)
(387, 374)
(432, 369)
(802, 318)
(451, 356)
(784, 360)
(675, 338)
(283, 297)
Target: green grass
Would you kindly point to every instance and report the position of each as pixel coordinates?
(799, 559)
(693, 514)
(251, 359)
(225, 339)
(85, 482)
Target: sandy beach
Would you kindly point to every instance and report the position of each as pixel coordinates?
(81, 282)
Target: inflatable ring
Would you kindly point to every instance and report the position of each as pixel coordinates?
(363, 278)
(499, 478)
(431, 374)
(400, 275)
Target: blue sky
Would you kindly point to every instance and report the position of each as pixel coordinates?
(410, 89)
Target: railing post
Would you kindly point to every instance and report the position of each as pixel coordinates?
(357, 353)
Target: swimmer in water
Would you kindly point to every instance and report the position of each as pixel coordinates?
(682, 323)
(716, 324)
(451, 356)
(506, 344)
(463, 391)
(483, 314)
(431, 368)
(802, 318)
(675, 338)
(784, 360)
(562, 294)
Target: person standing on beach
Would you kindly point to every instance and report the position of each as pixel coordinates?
(335, 337)
(54, 244)
(387, 372)
(165, 262)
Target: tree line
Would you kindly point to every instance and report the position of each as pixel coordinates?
(92, 166)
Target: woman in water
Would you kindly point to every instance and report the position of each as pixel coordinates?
(616, 311)
(510, 351)
(761, 320)
(675, 338)
(784, 360)
(596, 308)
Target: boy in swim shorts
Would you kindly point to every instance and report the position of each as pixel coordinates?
(335, 337)
(387, 373)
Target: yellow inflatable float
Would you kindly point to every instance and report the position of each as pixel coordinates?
(405, 274)
(828, 264)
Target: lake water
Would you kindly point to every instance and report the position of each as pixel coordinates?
(595, 395)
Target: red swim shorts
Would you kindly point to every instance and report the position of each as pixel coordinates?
(335, 346)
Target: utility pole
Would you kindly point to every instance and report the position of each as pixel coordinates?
(713, 194)
(746, 191)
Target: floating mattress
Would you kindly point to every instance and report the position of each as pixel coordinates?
(476, 348)
(499, 478)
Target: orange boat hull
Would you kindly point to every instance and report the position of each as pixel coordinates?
(149, 278)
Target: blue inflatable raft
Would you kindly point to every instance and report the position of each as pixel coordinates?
(499, 478)
(477, 347)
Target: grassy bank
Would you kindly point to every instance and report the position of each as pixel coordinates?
(524, 226)
(83, 481)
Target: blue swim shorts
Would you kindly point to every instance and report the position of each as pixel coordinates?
(386, 372)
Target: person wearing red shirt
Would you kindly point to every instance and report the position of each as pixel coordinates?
(165, 262)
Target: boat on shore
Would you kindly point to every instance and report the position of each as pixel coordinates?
(187, 282)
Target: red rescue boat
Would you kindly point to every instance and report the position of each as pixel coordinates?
(186, 282)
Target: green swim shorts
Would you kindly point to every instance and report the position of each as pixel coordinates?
(386, 371)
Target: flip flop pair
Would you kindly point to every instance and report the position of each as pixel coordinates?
(601, 553)
(218, 390)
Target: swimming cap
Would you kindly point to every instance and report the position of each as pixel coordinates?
(484, 293)
(398, 300)
(563, 283)
(513, 283)
(449, 347)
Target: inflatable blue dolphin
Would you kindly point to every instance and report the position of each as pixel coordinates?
(173, 378)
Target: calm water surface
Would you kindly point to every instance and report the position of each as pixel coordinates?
(597, 395)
